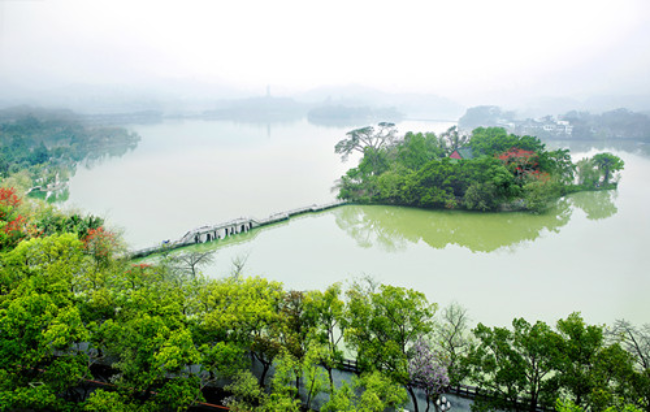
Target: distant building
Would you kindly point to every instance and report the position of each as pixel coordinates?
(546, 126)
(462, 153)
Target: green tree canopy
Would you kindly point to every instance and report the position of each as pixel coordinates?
(514, 364)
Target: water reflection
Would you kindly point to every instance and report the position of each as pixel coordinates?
(98, 155)
(393, 228)
(55, 188)
(597, 205)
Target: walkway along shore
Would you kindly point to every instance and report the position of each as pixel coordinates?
(222, 230)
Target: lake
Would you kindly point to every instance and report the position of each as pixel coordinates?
(586, 254)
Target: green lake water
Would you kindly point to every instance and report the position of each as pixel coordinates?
(588, 253)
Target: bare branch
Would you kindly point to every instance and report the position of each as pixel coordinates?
(238, 264)
(634, 340)
(359, 139)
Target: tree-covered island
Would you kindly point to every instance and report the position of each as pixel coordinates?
(490, 170)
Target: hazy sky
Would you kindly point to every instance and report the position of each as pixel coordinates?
(455, 48)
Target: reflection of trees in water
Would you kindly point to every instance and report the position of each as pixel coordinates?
(597, 205)
(98, 155)
(393, 227)
(368, 224)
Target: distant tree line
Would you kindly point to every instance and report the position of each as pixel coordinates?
(493, 170)
(486, 116)
(619, 124)
(614, 124)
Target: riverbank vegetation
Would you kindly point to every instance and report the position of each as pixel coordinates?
(83, 329)
(490, 170)
(40, 148)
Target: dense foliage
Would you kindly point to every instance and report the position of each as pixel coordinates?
(83, 329)
(490, 170)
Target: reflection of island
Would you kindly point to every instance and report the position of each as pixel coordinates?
(597, 205)
(392, 227)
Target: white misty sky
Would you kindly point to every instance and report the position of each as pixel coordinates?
(455, 48)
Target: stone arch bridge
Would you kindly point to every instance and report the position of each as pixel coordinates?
(210, 233)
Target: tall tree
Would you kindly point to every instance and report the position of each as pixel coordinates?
(607, 164)
(558, 163)
(384, 325)
(13, 226)
(428, 369)
(298, 329)
(327, 312)
(587, 366)
(246, 311)
(453, 340)
(514, 364)
(493, 140)
(366, 137)
(41, 328)
(372, 392)
(636, 340)
(452, 140)
(187, 264)
(417, 149)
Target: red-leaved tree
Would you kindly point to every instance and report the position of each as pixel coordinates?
(13, 225)
(524, 164)
(100, 244)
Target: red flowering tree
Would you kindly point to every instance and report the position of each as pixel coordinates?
(524, 164)
(9, 201)
(13, 226)
(101, 244)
